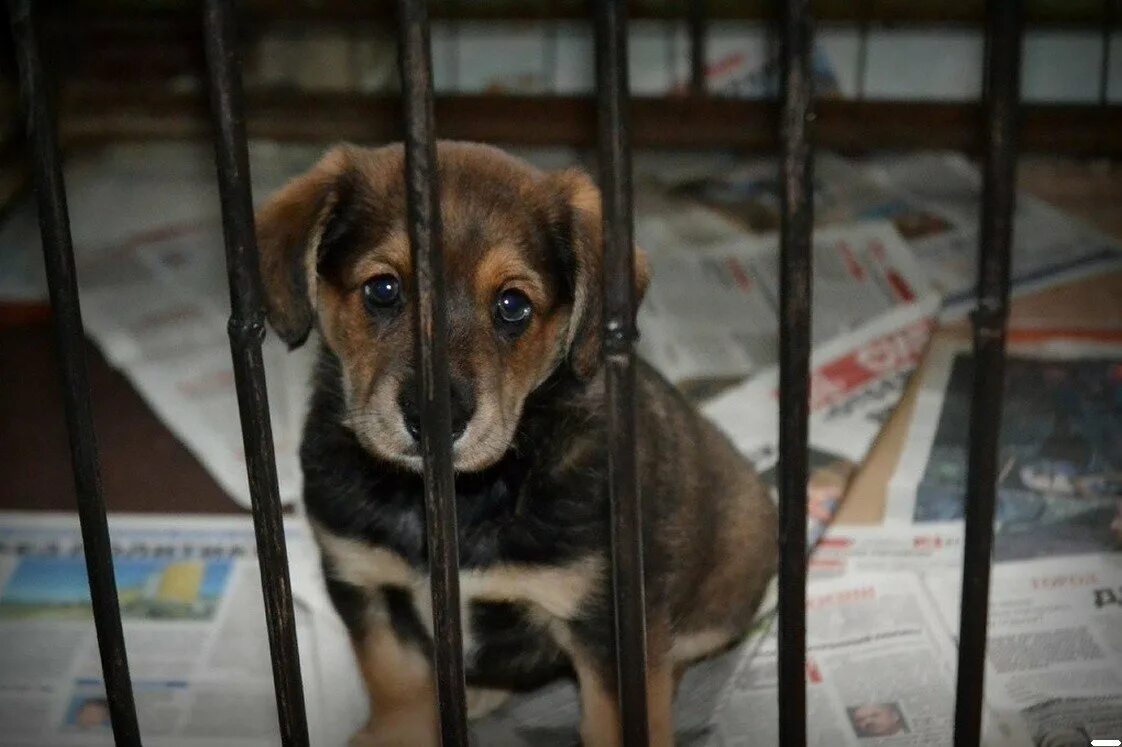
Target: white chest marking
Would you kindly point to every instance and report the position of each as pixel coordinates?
(557, 592)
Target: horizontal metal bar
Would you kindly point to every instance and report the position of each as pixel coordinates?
(423, 206)
(618, 288)
(247, 329)
(896, 12)
(1003, 65)
(797, 223)
(97, 114)
(62, 282)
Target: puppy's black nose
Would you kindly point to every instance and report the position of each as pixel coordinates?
(461, 406)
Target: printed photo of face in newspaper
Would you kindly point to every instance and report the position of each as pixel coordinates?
(1060, 457)
(877, 720)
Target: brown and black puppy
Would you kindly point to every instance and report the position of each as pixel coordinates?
(523, 258)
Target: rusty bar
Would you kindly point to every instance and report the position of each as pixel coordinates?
(796, 228)
(614, 139)
(1002, 88)
(697, 26)
(422, 193)
(246, 329)
(62, 281)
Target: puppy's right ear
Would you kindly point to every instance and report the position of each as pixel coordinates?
(290, 229)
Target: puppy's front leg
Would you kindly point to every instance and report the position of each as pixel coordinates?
(600, 719)
(399, 680)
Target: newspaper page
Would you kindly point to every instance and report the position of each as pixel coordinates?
(919, 548)
(1060, 479)
(855, 382)
(1054, 652)
(157, 306)
(862, 273)
(126, 190)
(1049, 246)
(193, 617)
(744, 194)
(878, 670)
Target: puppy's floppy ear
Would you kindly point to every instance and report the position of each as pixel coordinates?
(290, 229)
(575, 220)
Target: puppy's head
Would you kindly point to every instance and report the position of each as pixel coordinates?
(522, 259)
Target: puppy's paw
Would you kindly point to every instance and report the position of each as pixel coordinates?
(484, 700)
(399, 730)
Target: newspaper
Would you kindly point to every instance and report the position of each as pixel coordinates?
(712, 315)
(194, 625)
(877, 668)
(1049, 247)
(1054, 652)
(157, 306)
(1060, 479)
(921, 548)
(856, 380)
(932, 199)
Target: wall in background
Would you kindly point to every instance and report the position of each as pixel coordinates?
(938, 63)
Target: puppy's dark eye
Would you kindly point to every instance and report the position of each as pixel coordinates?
(513, 310)
(381, 292)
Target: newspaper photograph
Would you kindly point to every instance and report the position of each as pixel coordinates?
(1054, 653)
(193, 616)
(1060, 478)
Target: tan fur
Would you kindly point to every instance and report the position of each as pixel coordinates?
(399, 681)
(690, 647)
(558, 591)
(599, 724)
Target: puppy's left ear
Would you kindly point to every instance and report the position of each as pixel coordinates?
(575, 220)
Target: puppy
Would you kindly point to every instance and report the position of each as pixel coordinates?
(523, 253)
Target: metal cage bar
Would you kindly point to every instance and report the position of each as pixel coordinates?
(698, 22)
(247, 330)
(1107, 30)
(423, 205)
(619, 368)
(62, 281)
(797, 223)
(1002, 89)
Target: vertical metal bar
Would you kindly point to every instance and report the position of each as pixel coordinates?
(62, 281)
(1002, 89)
(1104, 68)
(246, 329)
(422, 193)
(794, 363)
(697, 26)
(613, 102)
(862, 48)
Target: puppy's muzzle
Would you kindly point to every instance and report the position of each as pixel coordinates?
(461, 405)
